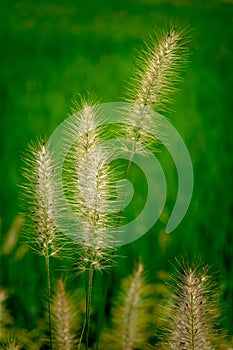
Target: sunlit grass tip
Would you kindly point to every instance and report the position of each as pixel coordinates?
(39, 192)
(90, 188)
(158, 71)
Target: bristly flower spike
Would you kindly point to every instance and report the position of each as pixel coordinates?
(40, 199)
(191, 316)
(161, 65)
(90, 189)
(132, 314)
(156, 78)
(65, 321)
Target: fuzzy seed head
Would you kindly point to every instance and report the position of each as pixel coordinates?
(90, 189)
(161, 65)
(64, 319)
(131, 314)
(40, 198)
(156, 78)
(192, 314)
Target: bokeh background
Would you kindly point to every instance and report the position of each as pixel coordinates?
(51, 51)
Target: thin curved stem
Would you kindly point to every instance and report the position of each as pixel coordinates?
(89, 285)
(106, 278)
(82, 334)
(47, 263)
(129, 165)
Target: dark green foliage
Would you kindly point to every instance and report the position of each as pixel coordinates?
(52, 50)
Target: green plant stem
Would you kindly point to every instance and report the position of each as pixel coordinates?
(106, 279)
(132, 154)
(82, 333)
(89, 285)
(124, 193)
(47, 262)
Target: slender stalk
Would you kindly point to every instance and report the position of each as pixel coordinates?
(82, 334)
(86, 325)
(89, 285)
(106, 279)
(124, 192)
(47, 263)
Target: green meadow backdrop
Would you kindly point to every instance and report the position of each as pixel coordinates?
(51, 51)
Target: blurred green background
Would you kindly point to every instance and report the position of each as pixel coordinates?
(53, 50)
